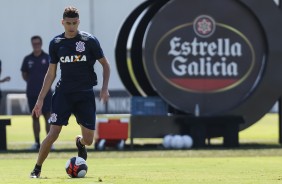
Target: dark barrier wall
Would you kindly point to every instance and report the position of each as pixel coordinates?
(212, 58)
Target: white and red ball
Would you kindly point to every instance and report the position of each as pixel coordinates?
(76, 167)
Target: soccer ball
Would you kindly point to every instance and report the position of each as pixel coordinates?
(187, 141)
(167, 141)
(177, 142)
(76, 167)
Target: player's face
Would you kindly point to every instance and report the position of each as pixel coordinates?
(71, 26)
(36, 45)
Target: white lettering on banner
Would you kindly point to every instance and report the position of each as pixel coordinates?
(222, 47)
(181, 67)
(205, 66)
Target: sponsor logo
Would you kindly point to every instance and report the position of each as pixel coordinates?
(201, 56)
(74, 58)
(204, 26)
(202, 62)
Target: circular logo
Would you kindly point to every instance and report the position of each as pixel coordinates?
(204, 56)
(204, 26)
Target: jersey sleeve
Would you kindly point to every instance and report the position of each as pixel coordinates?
(54, 59)
(24, 67)
(96, 49)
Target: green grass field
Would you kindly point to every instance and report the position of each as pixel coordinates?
(257, 160)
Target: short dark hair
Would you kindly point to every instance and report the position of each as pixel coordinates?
(36, 37)
(71, 12)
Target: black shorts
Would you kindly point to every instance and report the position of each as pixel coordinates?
(81, 104)
(46, 105)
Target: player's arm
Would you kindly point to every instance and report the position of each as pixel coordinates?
(48, 81)
(104, 93)
(25, 76)
(24, 69)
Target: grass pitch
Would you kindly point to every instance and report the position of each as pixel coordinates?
(155, 170)
(257, 160)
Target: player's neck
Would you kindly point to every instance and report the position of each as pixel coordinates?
(37, 53)
(71, 35)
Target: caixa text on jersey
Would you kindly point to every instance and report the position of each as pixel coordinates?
(73, 58)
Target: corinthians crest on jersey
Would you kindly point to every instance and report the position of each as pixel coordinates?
(80, 46)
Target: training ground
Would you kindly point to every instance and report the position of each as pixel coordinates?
(257, 160)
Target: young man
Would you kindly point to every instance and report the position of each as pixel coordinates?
(77, 52)
(34, 68)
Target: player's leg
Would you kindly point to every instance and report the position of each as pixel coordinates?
(85, 140)
(35, 123)
(46, 118)
(85, 113)
(47, 124)
(61, 111)
(46, 111)
(87, 136)
(47, 143)
(36, 132)
(45, 149)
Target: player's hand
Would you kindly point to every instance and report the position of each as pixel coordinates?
(104, 95)
(37, 108)
(6, 79)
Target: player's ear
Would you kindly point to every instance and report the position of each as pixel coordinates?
(62, 21)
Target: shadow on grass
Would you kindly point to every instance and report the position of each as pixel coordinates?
(157, 147)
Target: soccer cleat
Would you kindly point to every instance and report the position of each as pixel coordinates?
(34, 147)
(81, 148)
(35, 173)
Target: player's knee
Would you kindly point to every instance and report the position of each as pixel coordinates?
(50, 139)
(53, 135)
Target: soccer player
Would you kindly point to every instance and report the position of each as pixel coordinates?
(34, 68)
(77, 52)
